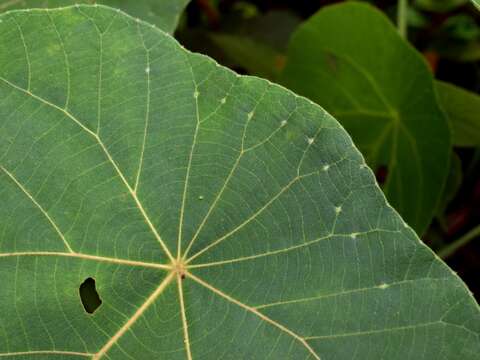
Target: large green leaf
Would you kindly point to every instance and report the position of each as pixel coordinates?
(221, 216)
(463, 110)
(162, 13)
(350, 59)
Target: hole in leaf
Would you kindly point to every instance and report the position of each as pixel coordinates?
(89, 296)
(381, 174)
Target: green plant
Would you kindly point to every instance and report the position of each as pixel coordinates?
(364, 74)
(158, 205)
(162, 13)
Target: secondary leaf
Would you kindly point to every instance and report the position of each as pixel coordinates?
(463, 110)
(452, 186)
(350, 59)
(162, 13)
(257, 58)
(222, 217)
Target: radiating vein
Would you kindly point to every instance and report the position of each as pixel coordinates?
(147, 111)
(43, 211)
(227, 179)
(379, 287)
(88, 257)
(375, 331)
(189, 166)
(256, 312)
(107, 154)
(45, 352)
(183, 313)
(265, 254)
(249, 219)
(135, 316)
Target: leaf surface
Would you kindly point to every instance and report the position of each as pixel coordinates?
(163, 13)
(463, 109)
(350, 59)
(220, 216)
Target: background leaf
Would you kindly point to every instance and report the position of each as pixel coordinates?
(220, 216)
(439, 5)
(162, 13)
(349, 59)
(454, 181)
(255, 57)
(463, 110)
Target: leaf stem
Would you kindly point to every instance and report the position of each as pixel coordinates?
(449, 250)
(402, 7)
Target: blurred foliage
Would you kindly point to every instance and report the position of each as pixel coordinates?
(463, 109)
(440, 6)
(350, 59)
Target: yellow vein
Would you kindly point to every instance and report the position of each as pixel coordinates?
(186, 338)
(252, 217)
(189, 166)
(269, 253)
(44, 212)
(117, 169)
(256, 312)
(380, 287)
(227, 180)
(45, 352)
(137, 201)
(376, 331)
(147, 110)
(210, 210)
(46, 102)
(135, 316)
(99, 85)
(88, 257)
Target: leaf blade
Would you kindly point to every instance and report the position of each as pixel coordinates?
(300, 206)
(461, 107)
